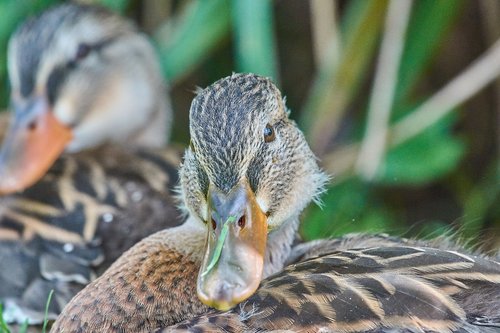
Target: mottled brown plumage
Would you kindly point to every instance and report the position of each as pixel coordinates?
(146, 288)
(347, 285)
(79, 218)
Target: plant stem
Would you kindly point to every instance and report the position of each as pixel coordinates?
(373, 146)
(324, 29)
(477, 76)
(338, 80)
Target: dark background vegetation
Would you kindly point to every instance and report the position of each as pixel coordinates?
(437, 168)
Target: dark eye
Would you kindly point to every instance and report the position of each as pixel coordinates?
(82, 51)
(269, 134)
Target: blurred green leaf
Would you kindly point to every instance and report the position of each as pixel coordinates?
(187, 39)
(480, 201)
(429, 23)
(116, 5)
(348, 207)
(4, 328)
(335, 85)
(424, 158)
(254, 37)
(12, 12)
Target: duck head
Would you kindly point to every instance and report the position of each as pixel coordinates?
(248, 171)
(81, 76)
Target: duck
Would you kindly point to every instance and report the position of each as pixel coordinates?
(81, 76)
(85, 169)
(234, 265)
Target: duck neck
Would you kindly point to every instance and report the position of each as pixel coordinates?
(152, 285)
(279, 246)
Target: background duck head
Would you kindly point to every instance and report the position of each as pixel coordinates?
(247, 173)
(81, 76)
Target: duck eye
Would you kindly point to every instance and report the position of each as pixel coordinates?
(82, 51)
(269, 134)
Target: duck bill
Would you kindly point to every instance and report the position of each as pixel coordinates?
(35, 139)
(234, 258)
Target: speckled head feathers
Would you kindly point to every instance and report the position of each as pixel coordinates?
(236, 109)
(227, 125)
(97, 72)
(38, 34)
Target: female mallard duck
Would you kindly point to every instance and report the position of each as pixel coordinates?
(246, 177)
(81, 77)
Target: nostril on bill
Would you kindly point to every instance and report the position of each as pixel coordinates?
(242, 222)
(32, 125)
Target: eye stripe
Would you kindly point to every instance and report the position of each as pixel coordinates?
(59, 74)
(83, 51)
(54, 82)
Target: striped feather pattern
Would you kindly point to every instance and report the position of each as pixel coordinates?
(56, 234)
(380, 289)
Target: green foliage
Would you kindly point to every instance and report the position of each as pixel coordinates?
(47, 304)
(344, 211)
(481, 202)
(424, 158)
(245, 32)
(338, 80)
(116, 5)
(4, 328)
(190, 37)
(254, 37)
(428, 26)
(351, 205)
(11, 13)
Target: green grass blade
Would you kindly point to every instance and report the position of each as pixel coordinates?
(3, 325)
(219, 245)
(12, 12)
(428, 26)
(350, 207)
(254, 37)
(480, 201)
(436, 145)
(335, 86)
(186, 40)
(46, 316)
(24, 327)
(116, 5)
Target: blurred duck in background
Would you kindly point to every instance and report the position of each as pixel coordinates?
(81, 77)
(84, 81)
